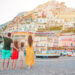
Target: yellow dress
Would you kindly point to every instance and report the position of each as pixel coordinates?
(29, 56)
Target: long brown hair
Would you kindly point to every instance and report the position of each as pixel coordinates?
(30, 41)
(16, 43)
(22, 44)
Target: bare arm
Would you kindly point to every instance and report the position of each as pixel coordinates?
(13, 44)
(1, 35)
(15, 47)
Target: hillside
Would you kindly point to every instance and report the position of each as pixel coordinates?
(48, 17)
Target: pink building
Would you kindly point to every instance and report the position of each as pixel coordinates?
(67, 40)
(55, 41)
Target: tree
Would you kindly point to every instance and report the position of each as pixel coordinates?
(4, 28)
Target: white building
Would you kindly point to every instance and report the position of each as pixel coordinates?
(42, 20)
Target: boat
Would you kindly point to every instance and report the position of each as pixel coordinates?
(47, 55)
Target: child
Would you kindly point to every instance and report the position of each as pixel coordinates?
(21, 55)
(14, 54)
(29, 53)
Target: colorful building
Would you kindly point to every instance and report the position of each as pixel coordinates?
(67, 40)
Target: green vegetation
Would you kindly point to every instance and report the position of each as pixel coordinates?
(55, 28)
(28, 22)
(50, 28)
(73, 30)
(4, 28)
(22, 23)
(68, 30)
(41, 29)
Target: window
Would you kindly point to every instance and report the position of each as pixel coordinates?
(55, 41)
(71, 44)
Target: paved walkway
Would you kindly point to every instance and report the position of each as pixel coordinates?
(58, 66)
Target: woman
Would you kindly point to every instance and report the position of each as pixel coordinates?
(29, 53)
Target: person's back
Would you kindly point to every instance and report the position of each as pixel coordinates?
(7, 43)
(15, 54)
(30, 53)
(6, 53)
(15, 50)
(21, 51)
(21, 55)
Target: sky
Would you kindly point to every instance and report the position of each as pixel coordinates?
(10, 8)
